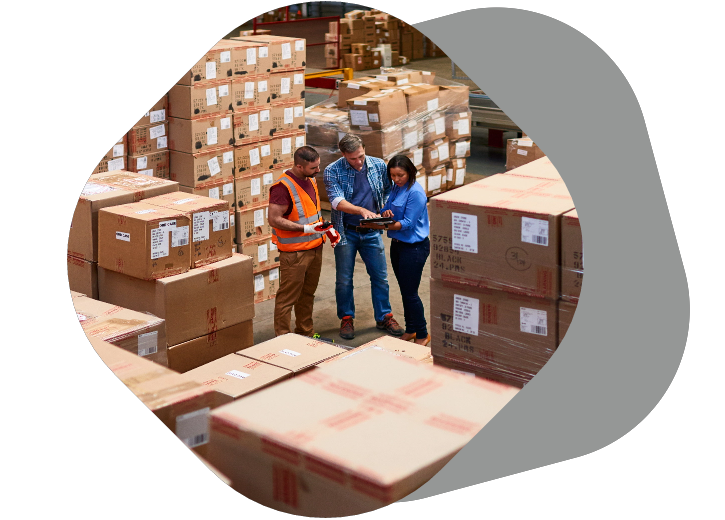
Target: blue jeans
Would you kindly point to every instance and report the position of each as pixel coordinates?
(408, 261)
(372, 251)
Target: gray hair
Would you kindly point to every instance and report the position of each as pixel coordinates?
(350, 143)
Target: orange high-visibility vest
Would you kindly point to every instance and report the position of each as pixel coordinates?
(304, 211)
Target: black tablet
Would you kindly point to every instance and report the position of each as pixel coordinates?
(377, 220)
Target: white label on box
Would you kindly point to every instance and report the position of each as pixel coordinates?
(211, 70)
(252, 56)
(299, 79)
(533, 321)
(425, 73)
(249, 90)
(253, 122)
(522, 152)
(161, 142)
(225, 57)
(231, 218)
(184, 201)
(263, 52)
(299, 112)
(256, 187)
(228, 189)
(120, 235)
(465, 232)
(467, 374)
(465, 314)
(535, 231)
(264, 116)
(254, 156)
(299, 141)
(91, 188)
(272, 246)
(382, 78)
(360, 102)
(201, 226)
(193, 428)
(418, 157)
(226, 123)
(258, 218)
(210, 96)
(434, 182)
(460, 162)
(115, 164)
(463, 127)
(141, 163)
(410, 139)
(402, 81)
(288, 352)
(443, 152)
(374, 118)
(274, 274)
(353, 85)
(285, 86)
(460, 176)
(440, 125)
(289, 115)
(148, 173)
(266, 150)
(167, 224)
(262, 86)
(223, 90)
(220, 220)
(299, 45)
(159, 243)
(148, 343)
(434, 154)
(157, 115)
(211, 135)
(449, 175)
(421, 179)
(145, 211)
(286, 51)
(117, 150)
(461, 148)
(214, 193)
(525, 142)
(227, 157)
(262, 253)
(359, 117)
(214, 167)
(267, 178)
(180, 236)
(286, 146)
(237, 374)
(258, 282)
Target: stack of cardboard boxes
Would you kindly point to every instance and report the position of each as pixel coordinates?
(496, 272)
(148, 140)
(115, 158)
(521, 151)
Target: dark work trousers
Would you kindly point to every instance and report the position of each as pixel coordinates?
(408, 261)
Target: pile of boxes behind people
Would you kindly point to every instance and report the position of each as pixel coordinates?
(506, 272)
(399, 112)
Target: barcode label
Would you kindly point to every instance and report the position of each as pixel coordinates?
(288, 352)
(198, 440)
(535, 231)
(533, 321)
(535, 329)
(193, 428)
(148, 343)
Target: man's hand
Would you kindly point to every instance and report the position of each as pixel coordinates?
(388, 213)
(367, 214)
(319, 227)
(333, 235)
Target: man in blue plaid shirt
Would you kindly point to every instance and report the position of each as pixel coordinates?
(358, 187)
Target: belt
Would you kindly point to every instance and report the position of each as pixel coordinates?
(360, 229)
(410, 244)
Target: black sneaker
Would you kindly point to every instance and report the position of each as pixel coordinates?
(390, 326)
(347, 329)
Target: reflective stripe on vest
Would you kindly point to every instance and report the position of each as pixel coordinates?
(297, 240)
(298, 204)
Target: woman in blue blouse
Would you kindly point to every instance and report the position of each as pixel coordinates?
(410, 243)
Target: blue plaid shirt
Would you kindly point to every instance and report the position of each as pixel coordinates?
(339, 181)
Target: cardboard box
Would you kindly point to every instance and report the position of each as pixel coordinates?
(458, 125)
(332, 63)
(428, 77)
(413, 134)
(148, 139)
(377, 110)
(292, 352)
(263, 58)
(332, 51)
(473, 371)
(266, 284)
(144, 240)
(253, 190)
(435, 153)
(287, 85)
(358, 87)
(252, 124)
(284, 51)
(223, 189)
(241, 58)
(354, 61)
(455, 173)
(335, 470)
(200, 100)
(505, 333)
(253, 158)
(214, 65)
(540, 169)
(83, 276)
(572, 257)
(381, 143)
(420, 97)
(202, 169)
(200, 351)
(111, 165)
(434, 127)
(402, 78)
(361, 48)
(264, 253)
(251, 91)
(453, 96)
(501, 232)
(154, 164)
(253, 223)
(288, 117)
(105, 190)
(566, 315)
(460, 149)
(210, 236)
(194, 303)
(133, 331)
(129, 367)
(388, 344)
(436, 181)
(284, 147)
(326, 126)
(521, 151)
(415, 154)
(202, 134)
(236, 376)
(355, 14)
(156, 113)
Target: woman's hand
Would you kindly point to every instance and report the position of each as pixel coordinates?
(388, 213)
